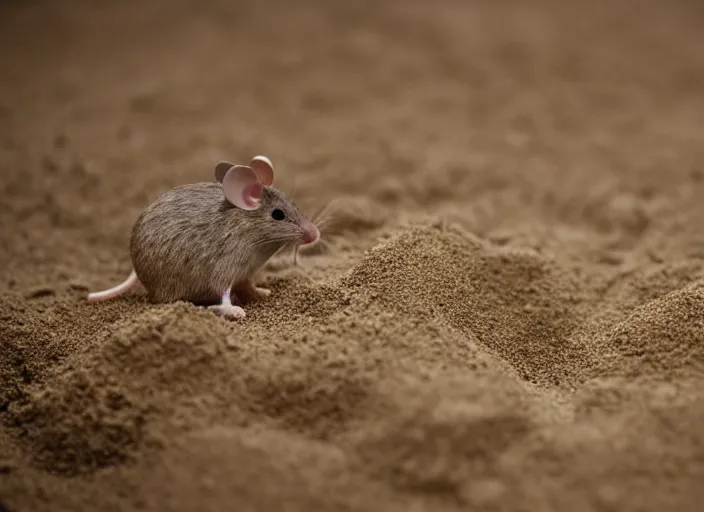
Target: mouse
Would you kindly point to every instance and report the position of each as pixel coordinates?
(206, 242)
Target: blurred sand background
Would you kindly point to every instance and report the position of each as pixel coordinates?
(508, 311)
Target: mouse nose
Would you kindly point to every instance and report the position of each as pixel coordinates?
(310, 234)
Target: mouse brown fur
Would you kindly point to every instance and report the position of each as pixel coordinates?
(205, 242)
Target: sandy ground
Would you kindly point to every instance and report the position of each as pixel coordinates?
(507, 312)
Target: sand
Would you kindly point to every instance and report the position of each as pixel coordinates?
(507, 311)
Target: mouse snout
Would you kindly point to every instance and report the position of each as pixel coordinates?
(310, 234)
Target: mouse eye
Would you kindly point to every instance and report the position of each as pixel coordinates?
(278, 214)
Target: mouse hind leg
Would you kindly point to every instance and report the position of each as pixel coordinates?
(248, 292)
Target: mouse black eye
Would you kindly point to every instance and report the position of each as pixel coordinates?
(278, 214)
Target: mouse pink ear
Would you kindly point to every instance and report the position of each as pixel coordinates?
(264, 169)
(241, 186)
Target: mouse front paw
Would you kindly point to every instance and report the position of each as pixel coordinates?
(228, 311)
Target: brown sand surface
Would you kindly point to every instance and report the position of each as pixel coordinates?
(508, 311)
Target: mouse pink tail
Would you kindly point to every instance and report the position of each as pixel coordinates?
(115, 291)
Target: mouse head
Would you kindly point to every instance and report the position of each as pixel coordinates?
(250, 188)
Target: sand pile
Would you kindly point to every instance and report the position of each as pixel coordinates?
(508, 309)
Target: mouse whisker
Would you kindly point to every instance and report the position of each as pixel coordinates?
(267, 241)
(321, 212)
(270, 240)
(325, 243)
(293, 193)
(328, 222)
(325, 216)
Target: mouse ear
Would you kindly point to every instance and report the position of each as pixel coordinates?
(221, 169)
(241, 187)
(264, 169)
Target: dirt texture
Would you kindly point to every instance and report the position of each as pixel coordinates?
(505, 312)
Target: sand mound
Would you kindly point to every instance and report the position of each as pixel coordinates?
(91, 414)
(514, 302)
(507, 310)
(662, 337)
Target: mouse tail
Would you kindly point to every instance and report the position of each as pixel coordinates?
(115, 291)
